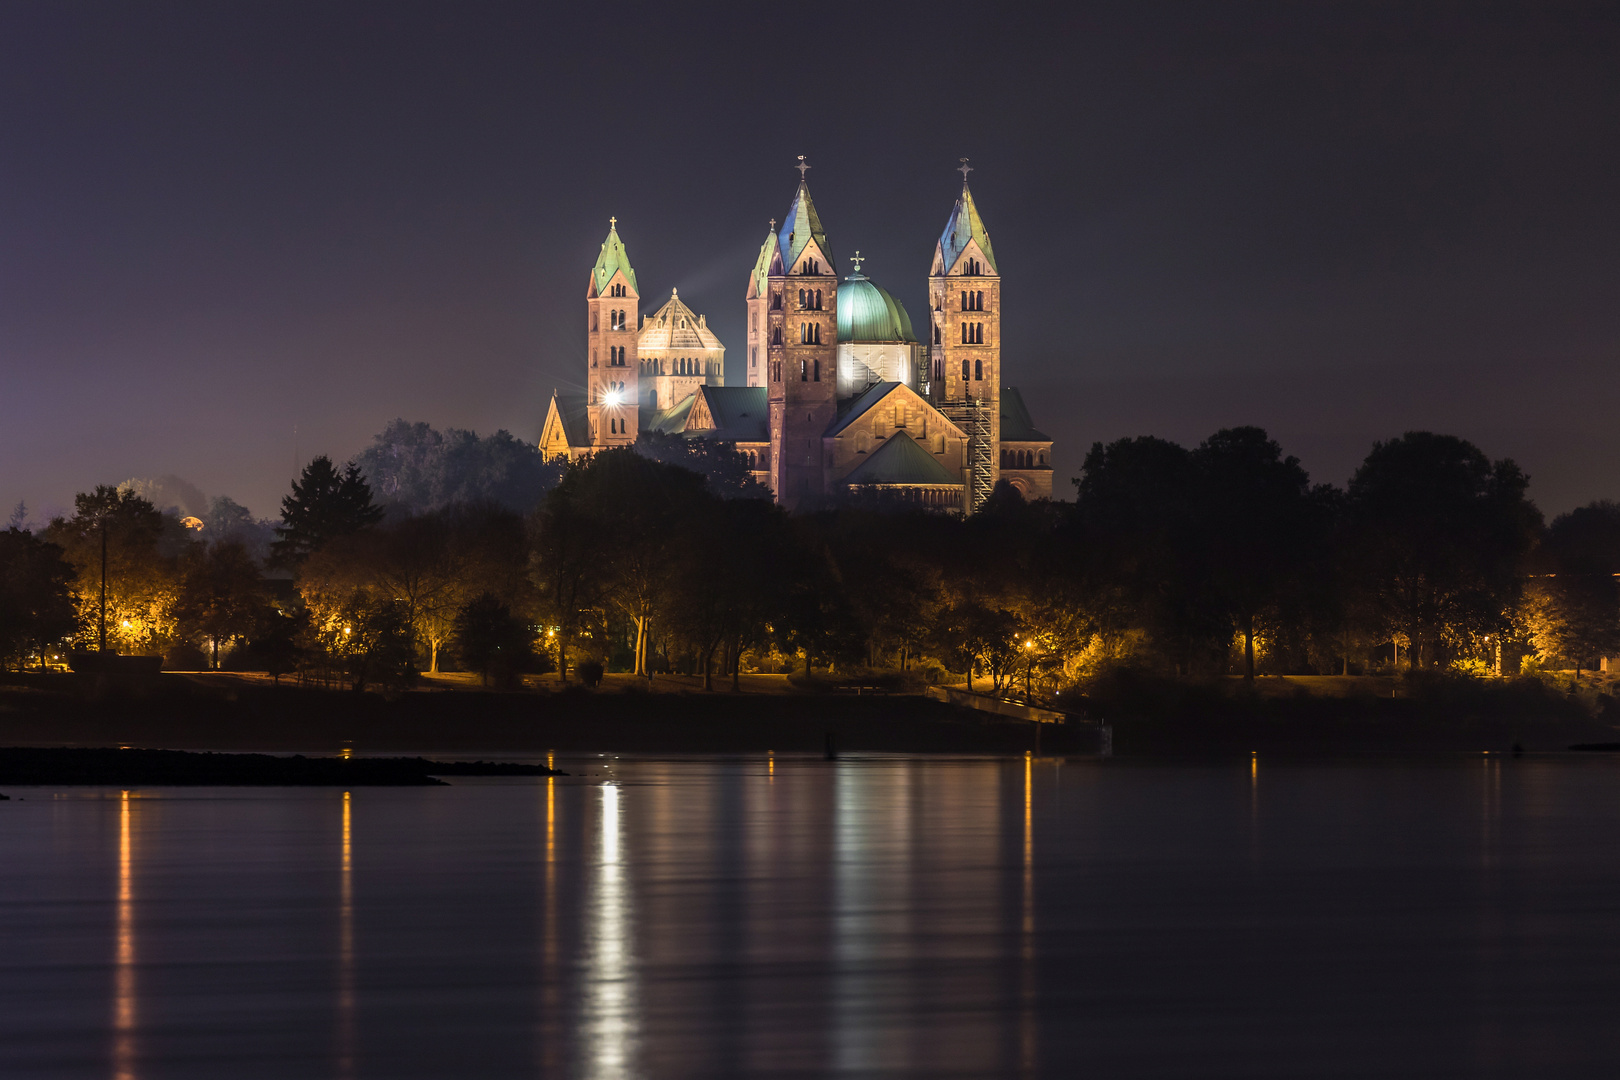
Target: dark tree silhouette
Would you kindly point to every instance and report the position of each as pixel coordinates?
(1437, 538)
(36, 596)
(324, 504)
(222, 596)
(492, 641)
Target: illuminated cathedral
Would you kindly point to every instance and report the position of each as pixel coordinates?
(841, 395)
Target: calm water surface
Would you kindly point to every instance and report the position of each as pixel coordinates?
(792, 917)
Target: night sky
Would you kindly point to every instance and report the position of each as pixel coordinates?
(222, 222)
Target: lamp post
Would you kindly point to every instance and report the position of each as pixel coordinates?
(1029, 664)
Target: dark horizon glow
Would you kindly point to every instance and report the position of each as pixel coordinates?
(1337, 222)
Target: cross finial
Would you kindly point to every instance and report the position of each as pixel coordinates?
(802, 167)
(773, 224)
(964, 169)
(857, 260)
(613, 223)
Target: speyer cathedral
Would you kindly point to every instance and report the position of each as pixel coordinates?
(841, 394)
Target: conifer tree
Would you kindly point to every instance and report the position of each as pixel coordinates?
(324, 505)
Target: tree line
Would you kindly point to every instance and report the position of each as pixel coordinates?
(429, 553)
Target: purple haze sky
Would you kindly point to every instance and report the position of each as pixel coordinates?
(222, 222)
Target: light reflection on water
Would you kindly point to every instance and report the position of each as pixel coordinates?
(788, 916)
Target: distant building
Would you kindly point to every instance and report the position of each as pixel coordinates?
(841, 394)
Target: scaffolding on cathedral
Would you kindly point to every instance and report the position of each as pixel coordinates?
(972, 415)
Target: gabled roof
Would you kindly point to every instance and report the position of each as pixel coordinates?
(873, 394)
(762, 265)
(901, 461)
(675, 326)
(613, 258)
(1016, 425)
(672, 419)
(802, 225)
(964, 225)
(573, 414)
(739, 414)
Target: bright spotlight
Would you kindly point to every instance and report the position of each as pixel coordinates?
(612, 397)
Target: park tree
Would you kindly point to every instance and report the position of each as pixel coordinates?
(1259, 528)
(36, 597)
(324, 505)
(221, 598)
(491, 640)
(125, 554)
(565, 544)
(1574, 601)
(725, 468)
(1436, 540)
(415, 467)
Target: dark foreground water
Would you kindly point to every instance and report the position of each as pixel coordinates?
(702, 918)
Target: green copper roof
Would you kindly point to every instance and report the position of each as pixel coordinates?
(1016, 424)
(866, 312)
(901, 461)
(613, 258)
(762, 265)
(673, 419)
(964, 225)
(801, 226)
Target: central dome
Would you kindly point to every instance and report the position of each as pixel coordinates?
(867, 313)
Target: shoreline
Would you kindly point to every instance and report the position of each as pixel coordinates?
(226, 714)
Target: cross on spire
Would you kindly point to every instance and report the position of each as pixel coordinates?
(964, 169)
(802, 167)
(773, 224)
(857, 260)
(613, 223)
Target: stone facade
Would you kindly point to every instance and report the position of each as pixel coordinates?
(834, 401)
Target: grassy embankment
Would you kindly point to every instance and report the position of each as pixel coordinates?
(453, 714)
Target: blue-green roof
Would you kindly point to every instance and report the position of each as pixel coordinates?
(867, 312)
(613, 258)
(901, 461)
(762, 265)
(1016, 425)
(800, 227)
(673, 419)
(740, 413)
(964, 225)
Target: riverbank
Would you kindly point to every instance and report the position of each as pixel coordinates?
(1148, 719)
(112, 766)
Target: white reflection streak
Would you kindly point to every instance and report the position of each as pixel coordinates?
(124, 967)
(1028, 1030)
(346, 951)
(548, 972)
(610, 1021)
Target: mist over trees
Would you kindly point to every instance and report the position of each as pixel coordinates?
(1216, 560)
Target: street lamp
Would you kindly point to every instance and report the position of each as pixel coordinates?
(1029, 664)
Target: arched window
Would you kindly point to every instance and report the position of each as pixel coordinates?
(936, 335)
(979, 302)
(804, 371)
(776, 335)
(964, 369)
(776, 301)
(801, 299)
(753, 358)
(964, 333)
(818, 371)
(964, 300)
(818, 299)
(978, 371)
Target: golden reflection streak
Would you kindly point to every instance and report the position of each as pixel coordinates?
(770, 767)
(346, 949)
(549, 1004)
(124, 967)
(1028, 1039)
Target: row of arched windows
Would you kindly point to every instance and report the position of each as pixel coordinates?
(973, 301)
(811, 266)
(618, 290)
(810, 299)
(615, 426)
(973, 333)
(973, 268)
(1022, 459)
(776, 335)
(776, 301)
(616, 356)
(616, 320)
(809, 370)
(978, 370)
(809, 333)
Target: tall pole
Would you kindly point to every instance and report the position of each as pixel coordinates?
(104, 584)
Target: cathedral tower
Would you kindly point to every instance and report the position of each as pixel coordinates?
(613, 306)
(964, 377)
(800, 350)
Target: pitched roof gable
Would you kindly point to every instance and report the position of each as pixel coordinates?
(570, 413)
(901, 461)
(1016, 424)
(964, 225)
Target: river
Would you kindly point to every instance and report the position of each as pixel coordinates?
(786, 916)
